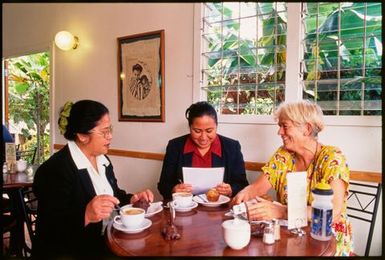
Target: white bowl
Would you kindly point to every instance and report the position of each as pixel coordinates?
(236, 233)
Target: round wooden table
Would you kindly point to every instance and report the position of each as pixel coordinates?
(201, 235)
(17, 180)
(13, 183)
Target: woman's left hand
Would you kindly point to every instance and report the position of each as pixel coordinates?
(146, 195)
(266, 210)
(224, 189)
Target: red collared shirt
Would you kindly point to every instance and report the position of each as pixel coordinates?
(197, 159)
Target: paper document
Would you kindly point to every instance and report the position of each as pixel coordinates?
(202, 179)
(296, 200)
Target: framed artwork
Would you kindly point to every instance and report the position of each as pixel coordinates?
(141, 77)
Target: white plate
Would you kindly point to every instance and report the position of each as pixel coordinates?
(222, 200)
(154, 208)
(145, 224)
(185, 209)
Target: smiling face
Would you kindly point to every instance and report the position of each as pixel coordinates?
(203, 131)
(98, 140)
(293, 136)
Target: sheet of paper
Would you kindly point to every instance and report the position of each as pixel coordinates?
(202, 179)
(296, 199)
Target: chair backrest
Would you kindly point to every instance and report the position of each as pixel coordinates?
(29, 209)
(363, 202)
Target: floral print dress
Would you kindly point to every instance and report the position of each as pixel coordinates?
(329, 164)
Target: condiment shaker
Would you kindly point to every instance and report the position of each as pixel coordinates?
(268, 234)
(5, 168)
(277, 229)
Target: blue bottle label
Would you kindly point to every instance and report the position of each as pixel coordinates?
(329, 218)
(318, 218)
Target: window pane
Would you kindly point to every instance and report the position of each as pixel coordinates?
(244, 56)
(343, 57)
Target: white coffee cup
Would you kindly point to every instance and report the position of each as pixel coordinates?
(130, 217)
(182, 199)
(21, 165)
(236, 233)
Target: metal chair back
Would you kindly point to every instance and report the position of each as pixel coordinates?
(363, 203)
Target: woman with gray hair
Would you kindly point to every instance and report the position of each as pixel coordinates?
(299, 124)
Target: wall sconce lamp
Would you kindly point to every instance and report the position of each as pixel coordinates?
(66, 41)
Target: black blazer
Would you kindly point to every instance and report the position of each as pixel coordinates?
(63, 193)
(174, 160)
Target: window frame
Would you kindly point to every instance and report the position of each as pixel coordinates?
(292, 93)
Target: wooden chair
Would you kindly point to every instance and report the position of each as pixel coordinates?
(29, 211)
(363, 203)
(8, 222)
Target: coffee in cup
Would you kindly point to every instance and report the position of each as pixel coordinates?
(130, 217)
(236, 233)
(132, 211)
(182, 199)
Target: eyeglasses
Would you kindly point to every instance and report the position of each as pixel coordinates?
(103, 133)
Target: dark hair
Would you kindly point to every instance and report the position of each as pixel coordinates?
(143, 78)
(199, 109)
(137, 67)
(83, 117)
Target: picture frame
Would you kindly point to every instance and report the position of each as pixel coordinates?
(141, 85)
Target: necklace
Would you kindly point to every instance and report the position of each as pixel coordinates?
(316, 149)
(310, 178)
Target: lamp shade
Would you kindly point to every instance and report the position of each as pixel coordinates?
(66, 41)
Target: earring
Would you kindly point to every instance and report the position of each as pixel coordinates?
(83, 140)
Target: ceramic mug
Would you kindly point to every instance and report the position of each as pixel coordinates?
(182, 199)
(130, 217)
(236, 233)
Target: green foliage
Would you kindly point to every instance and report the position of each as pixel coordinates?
(259, 106)
(29, 98)
(245, 61)
(333, 44)
(341, 29)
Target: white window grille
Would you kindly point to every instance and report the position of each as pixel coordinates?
(243, 54)
(243, 57)
(342, 57)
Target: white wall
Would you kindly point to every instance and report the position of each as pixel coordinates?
(91, 72)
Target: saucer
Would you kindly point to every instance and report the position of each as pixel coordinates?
(222, 200)
(185, 209)
(154, 208)
(145, 224)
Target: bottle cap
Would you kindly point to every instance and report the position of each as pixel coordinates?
(323, 188)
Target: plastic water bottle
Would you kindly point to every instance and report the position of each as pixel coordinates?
(322, 212)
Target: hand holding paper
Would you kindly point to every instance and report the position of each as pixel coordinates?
(224, 189)
(182, 187)
(202, 179)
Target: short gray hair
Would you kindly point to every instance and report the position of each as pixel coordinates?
(301, 112)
